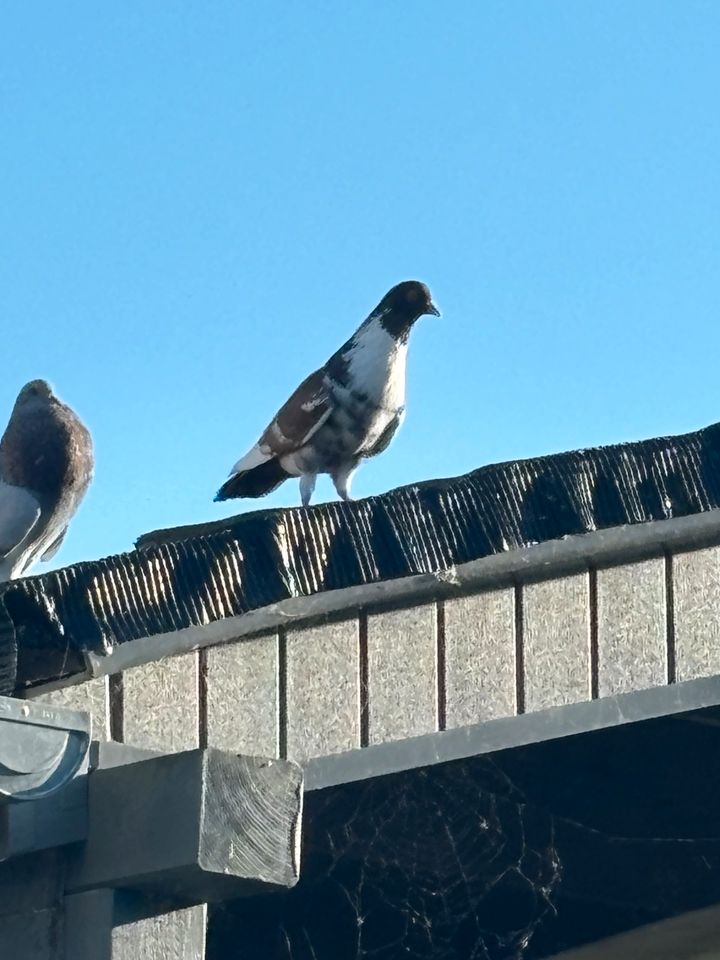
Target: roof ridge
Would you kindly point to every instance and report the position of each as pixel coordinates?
(191, 576)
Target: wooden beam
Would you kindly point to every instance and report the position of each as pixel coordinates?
(196, 826)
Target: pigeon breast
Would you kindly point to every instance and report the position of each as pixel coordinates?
(46, 450)
(46, 465)
(370, 391)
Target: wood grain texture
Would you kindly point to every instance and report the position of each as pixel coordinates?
(242, 696)
(91, 697)
(323, 690)
(402, 673)
(200, 825)
(631, 627)
(171, 936)
(160, 704)
(696, 587)
(556, 642)
(480, 657)
(251, 822)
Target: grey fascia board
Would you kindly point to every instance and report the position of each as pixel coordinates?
(553, 558)
(690, 936)
(494, 735)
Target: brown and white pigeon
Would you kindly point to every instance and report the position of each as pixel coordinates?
(345, 412)
(46, 465)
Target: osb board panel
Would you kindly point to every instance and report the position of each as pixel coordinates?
(323, 690)
(631, 627)
(556, 647)
(696, 583)
(480, 657)
(90, 697)
(160, 704)
(242, 696)
(402, 673)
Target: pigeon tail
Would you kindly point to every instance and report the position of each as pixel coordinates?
(256, 482)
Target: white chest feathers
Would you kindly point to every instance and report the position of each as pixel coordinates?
(376, 366)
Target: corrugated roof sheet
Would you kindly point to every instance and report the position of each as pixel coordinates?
(192, 576)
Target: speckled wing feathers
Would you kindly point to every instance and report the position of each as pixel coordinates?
(19, 513)
(299, 417)
(293, 425)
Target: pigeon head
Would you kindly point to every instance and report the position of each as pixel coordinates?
(403, 305)
(35, 390)
(410, 297)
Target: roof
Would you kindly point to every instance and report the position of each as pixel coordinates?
(204, 574)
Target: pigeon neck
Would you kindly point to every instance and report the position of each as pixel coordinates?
(398, 323)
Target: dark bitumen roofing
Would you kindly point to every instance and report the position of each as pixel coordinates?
(193, 576)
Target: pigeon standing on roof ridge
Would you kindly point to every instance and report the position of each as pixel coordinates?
(347, 411)
(46, 465)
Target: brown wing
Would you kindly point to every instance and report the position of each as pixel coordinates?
(299, 417)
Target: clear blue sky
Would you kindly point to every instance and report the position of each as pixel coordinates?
(201, 200)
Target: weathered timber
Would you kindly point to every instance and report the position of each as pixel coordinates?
(53, 821)
(196, 826)
(87, 926)
(179, 935)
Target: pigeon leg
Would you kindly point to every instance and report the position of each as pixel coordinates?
(342, 480)
(307, 485)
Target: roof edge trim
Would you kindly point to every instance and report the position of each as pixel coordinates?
(505, 733)
(543, 561)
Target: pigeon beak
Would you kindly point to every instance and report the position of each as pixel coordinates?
(432, 309)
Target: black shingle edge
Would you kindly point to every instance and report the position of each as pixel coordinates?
(196, 575)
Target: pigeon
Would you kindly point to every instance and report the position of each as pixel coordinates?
(347, 411)
(46, 465)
